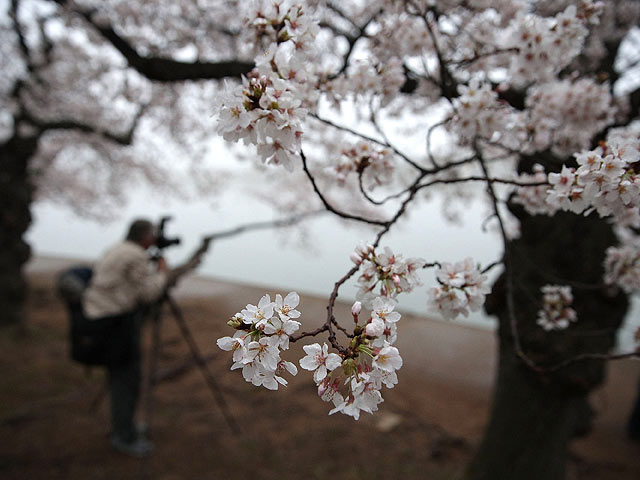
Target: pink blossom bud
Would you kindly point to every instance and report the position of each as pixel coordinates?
(355, 258)
(364, 249)
(356, 308)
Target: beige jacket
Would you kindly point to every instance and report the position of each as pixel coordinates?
(121, 281)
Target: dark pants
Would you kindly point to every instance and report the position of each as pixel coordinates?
(124, 382)
(633, 427)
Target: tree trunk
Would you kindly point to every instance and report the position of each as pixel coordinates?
(534, 415)
(16, 195)
(530, 428)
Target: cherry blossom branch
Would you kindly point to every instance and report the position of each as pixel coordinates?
(388, 144)
(588, 356)
(351, 39)
(480, 179)
(70, 124)
(508, 268)
(24, 49)
(327, 205)
(429, 132)
(427, 171)
(478, 56)
(382, 143)
(282, 222)
(317, 331)
(342, 329)
(330, 306)
(203, 248)
(164, 69)
(448, 86)
(442, 181)
(331, 320)
(365, 194)
(492, 266)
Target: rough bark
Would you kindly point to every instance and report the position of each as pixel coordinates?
(16, 195)
(534, 415)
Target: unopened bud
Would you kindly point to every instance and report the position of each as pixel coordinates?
(355, 258)
(349, 366)
(355, 309)
(235, 322)
(364, 249)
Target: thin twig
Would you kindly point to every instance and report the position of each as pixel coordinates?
(326, 203)
(508, 266)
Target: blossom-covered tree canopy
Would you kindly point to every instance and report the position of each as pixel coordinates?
(115, 92)
(343, 94)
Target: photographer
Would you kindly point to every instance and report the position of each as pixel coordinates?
(123, 283)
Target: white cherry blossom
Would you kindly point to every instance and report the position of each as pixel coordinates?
(556, 312)
(258, 314)
(388, 359)
(319, 360)
(286, 308)
(462, 288)
(262, 332)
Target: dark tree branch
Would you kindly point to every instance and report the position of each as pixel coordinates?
(351, 39)
(448, 85)
(508, 267)
(331, 208)
(166, 69)
(125, 138)
(24, 49)
(203, 248)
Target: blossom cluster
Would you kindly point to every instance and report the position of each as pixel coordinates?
(605, 181)
(534, 198)
(622, 267)
(267, 110)
(463, 287)
(263, 331)
(367, 78)
(478, 112)
(354, 384)
(377, 163)
(556, 312)
(385, 271)
(545, 45)
(351, 380)
(564, 115)
(279, 22)
(401, 34)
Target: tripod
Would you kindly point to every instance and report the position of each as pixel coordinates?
(151, 378)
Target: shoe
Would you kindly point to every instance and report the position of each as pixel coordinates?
(139, 448)
(142, 429)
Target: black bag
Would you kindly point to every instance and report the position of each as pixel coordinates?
(104, 341)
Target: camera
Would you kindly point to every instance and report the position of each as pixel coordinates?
(162, 241)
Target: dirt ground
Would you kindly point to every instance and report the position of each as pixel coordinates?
(54, 417)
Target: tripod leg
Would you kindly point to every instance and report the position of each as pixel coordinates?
(202, 364)
(150, 378)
